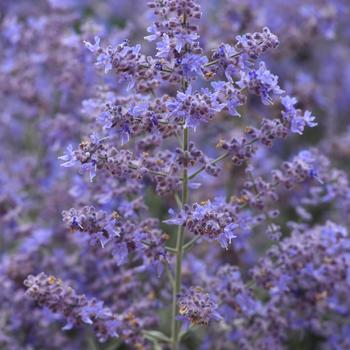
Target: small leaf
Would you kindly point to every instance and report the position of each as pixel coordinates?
(157, 335)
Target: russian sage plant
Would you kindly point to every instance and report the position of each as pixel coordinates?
(193, 215)
(134, 141)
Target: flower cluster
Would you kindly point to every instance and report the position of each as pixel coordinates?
(216, 220)
(237, 301)
(120, 237)
(197, 306)
(173, 28)
(129, 64)
(254, 45)
(59, 297)
(194, 108)
(310, 295)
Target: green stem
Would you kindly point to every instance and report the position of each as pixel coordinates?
(190, 243)
(171, 249)
(240, 52)
(223, 156)
(216, 160)
(175, 326)
(159, 173)
(178, 201)
(91, 343)
(170, 275)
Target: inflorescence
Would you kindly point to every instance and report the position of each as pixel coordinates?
(171, 178)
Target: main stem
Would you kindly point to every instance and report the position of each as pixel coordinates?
(175, 326)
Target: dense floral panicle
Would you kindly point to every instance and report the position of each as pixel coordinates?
(242, 148)
(127, 62)
(133, 117)
(19, 314)
(333, 189)
(59, 297)
(302, 167)
(236, 300)
(317, 288)
(163, 167)
(119, 235)
(236, 59)
(229, 96)
(301, 298)
(197, 306)
(93, 154)
(257, 192)
(176, 28)
(78, 310)
(179, 54)
(194, 108)
(257, 43)
(294, 116)
(261, 82)
(98, 222)
(216, 220)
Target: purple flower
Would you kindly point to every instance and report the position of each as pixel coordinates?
(69, 158)
(289, 102)
(91, 169)
(309, 119)
(192, 64)
(105, 60)
(163, 46)
(93, 47)
(297, 125)
(194, 108)
(298, 121)
(214, 221)
(94, 311)
(181, 39)
(154, 33)
(60, 297)
(197, 306)
(120, 253)
(105, 119)
(229, 233)
(228, 93)
(261, 82)
(177, 219)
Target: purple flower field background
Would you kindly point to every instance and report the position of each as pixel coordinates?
(174, 174)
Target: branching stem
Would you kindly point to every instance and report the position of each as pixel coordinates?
(175, 326)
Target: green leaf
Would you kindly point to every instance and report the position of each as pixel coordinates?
(185, 332)
(156, 335)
